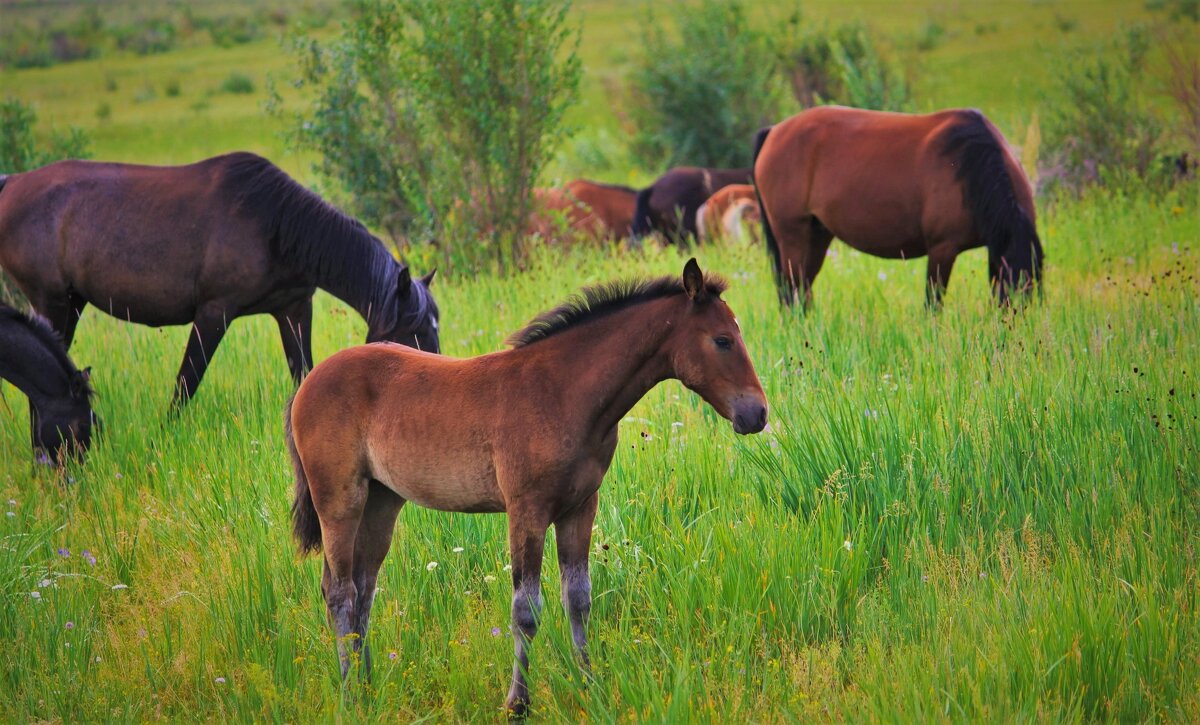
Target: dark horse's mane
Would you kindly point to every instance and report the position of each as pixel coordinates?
(40, 329)
(1000, 222)
(316, 237)
(605, 299)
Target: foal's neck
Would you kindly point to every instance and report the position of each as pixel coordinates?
(605, 366)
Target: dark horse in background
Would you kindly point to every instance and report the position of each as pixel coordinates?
(33, 358)
(669, 204)
(202, 244)
(898, 186)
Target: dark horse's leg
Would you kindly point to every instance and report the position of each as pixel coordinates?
(63, 314)
(371, 546)
(573, 532)
(295, 328)
(207, 331)
(941, 263)
(526, 541)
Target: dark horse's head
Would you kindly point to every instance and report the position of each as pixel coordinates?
(62, 426)
(412, 315)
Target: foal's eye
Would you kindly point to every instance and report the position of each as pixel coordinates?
(723, 342)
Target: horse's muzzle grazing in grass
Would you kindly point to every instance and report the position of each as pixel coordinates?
(33, 358)
(899, 186)
(529, 431)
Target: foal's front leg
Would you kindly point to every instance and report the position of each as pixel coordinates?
(573, 533)
(526, 540)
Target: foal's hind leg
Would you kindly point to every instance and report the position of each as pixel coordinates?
(207, 331)
(371, 546)
(340, 508)
(295, 328)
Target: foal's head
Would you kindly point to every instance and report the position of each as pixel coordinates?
(414, 321)
(709, 357)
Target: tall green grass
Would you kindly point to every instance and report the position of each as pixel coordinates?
(961, 516)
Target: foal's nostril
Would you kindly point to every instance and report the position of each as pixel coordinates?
(762, 417)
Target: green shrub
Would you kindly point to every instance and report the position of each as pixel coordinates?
(103, 111)
(1099, 127)
(436, 118)
(147, 36)
(846, 66)
(930, 36)
(237, 83)
(228, 31)
(172, 88)
(699, 94)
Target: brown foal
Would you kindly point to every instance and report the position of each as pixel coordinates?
(528, 431)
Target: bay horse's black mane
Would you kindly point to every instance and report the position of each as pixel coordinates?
(316, 237)
(604, 299)
(40, 329)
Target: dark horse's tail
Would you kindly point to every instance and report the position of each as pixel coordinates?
(769, 240)
(1015, 254)
(306, 527)
(642, 224)
(3, 181)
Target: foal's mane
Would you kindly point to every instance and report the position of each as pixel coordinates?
(605, 299)
(319, 239)
(40, 329)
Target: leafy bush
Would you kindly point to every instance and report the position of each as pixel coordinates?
(700, 94)
(1183, 86)
(147, 36)
(228, 31)
(930, 36)
(1098, 126)
(846, 66)
(19, 150)
(436, 118)
(238, 83)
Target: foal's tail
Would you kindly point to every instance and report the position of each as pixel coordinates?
(641, 213)
(1015, 253)
(769, 240)
(306, 527)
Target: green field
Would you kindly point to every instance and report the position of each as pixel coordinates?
(964, 516)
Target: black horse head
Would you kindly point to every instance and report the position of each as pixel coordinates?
(412, 315)
(62, 426)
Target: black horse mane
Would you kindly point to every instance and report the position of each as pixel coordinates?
(1001, 223)
(335, 249)
(605, 299)
(40, 329)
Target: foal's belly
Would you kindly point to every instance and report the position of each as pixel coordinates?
(449, 484)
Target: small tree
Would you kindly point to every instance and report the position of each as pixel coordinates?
(846, 66)
(700, 95)
(437, 117)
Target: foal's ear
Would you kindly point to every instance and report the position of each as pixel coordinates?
(428, 279)
(404, 283)
(693, 281)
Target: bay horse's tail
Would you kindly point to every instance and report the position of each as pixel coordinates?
(641, 214)
(769, 240)
(1015, 253)
(306, 527)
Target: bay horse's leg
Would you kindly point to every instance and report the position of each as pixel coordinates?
(941, 263)
(573, 532)
(207, 331)
(802, 244)
(818, 247)
(526, 541)
(371, 546)
(295, 328)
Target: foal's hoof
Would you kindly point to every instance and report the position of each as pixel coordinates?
(518, 710)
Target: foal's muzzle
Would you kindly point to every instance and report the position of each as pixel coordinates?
(749, 415)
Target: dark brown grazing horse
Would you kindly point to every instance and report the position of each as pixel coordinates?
(33, 358)
(669, 204)
(529, 431)
(898, 186)
(589, 208)
(202, 244)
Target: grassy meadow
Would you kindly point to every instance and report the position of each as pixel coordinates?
(966, 516)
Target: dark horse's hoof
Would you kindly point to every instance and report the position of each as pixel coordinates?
(518, 711)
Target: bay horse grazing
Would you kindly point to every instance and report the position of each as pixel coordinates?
(669, 204)
(33, 358)
(596, 210)
(529, 431)
(898, 186)
(201, 244)
(726, 213)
